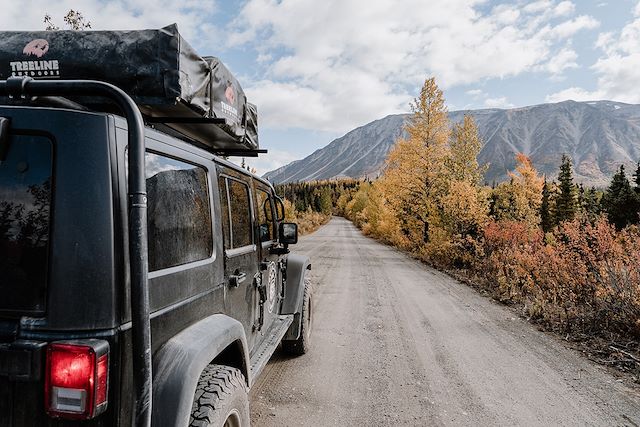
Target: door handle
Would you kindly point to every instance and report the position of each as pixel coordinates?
(236, 279)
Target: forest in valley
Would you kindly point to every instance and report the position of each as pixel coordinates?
(567, 256)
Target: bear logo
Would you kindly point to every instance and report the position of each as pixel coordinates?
(37, 47)
(230, 94)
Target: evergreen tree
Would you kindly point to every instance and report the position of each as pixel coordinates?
(581, 198)
(636, 179)
(591, 206)
(566, 201)
(546, 217)
(620, 201)
(324, 202)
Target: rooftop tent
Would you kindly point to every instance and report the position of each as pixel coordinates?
(196, 96)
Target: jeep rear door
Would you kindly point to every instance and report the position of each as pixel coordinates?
(57, 269)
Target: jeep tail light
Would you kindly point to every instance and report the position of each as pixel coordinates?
(77, 378)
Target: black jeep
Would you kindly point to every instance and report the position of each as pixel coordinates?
(142, 278)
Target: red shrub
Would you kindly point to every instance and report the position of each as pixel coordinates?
(581, 278)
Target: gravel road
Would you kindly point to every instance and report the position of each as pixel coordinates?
(398, 343)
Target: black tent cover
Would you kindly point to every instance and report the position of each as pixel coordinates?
(170, 82)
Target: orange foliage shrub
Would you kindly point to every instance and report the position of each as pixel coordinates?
(582, 278)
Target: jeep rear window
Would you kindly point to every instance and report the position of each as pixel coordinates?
(25, 205)
(179, 213)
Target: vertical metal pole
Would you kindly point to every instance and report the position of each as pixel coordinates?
(138, 255)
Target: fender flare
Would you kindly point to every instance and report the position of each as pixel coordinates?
(297, 266)
(177, 365)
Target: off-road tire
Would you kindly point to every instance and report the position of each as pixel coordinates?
(301, 345)
(221, 399)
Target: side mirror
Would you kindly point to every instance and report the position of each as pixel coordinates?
(288, 233)
(279, 209)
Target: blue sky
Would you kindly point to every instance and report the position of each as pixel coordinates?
(317, 69)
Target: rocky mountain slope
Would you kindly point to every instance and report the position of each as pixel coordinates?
(599, 136)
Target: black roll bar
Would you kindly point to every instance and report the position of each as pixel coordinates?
(21, 87)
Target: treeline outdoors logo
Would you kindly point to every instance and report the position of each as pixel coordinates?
(229, 110)
(39, 68)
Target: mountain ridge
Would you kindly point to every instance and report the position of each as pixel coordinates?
(597, 135)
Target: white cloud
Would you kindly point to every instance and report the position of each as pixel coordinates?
(264, 57)
(563, 60)
(619, 76)
(564, 8)
(574, 94)
(327, 107)
(618, 69)
(572, 26)
(346, 62)
(501, 102)
(538, 6)
(506, 14)
(475, 93)
(605, 40)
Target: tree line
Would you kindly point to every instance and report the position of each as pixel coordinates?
(317, 196)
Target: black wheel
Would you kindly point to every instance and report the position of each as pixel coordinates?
(301, 345)
(221, 399)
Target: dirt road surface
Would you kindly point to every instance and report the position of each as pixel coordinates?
(398, 343)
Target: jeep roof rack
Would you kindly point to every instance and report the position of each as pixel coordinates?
(196, 97)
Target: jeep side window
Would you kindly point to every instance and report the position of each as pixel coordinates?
(224, 208)
(265, 215)
(237, 223)
(179, 213)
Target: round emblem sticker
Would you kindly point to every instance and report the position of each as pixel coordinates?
(37, 47)
(272, 285)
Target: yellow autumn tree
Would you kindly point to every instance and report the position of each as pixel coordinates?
(521, 197)
(465, 206)
(465, 145)
(380, 219)
(354, 209)
(414, 180)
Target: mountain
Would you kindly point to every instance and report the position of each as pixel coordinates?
(598, 136)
